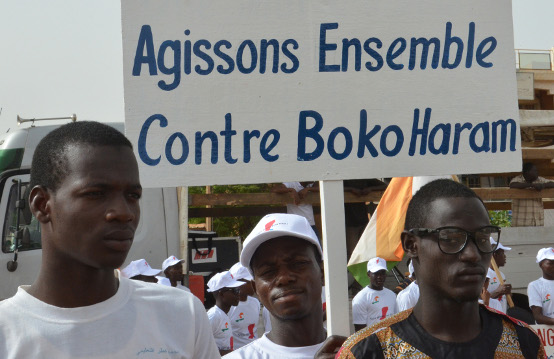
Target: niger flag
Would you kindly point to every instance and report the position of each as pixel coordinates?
(381, 238)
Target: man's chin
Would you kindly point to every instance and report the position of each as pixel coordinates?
(292, 315)
(467, 298)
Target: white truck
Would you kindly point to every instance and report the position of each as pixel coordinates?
(156, 238)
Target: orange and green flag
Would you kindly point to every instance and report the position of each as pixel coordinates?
(381, 238)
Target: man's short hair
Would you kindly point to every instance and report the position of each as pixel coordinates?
(50, 166)
(527, 167)
(418, 209)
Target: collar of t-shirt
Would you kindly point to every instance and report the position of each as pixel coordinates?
(93, 312)
(270, 347)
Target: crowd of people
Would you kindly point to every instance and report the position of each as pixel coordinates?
(85, 194)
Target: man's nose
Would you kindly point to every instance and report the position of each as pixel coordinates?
(121, 210)
(285, 276)
(471, 253)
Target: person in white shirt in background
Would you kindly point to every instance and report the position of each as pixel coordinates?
(245, 316)
(374, 302)
(225, 290)
(486, 296)
(541, 291)
(140, 270)
(408, 297)
(284, 256)
(174, 275)
(496, 290)
(299, 190)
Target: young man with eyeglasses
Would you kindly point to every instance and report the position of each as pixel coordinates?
(226, 293)
(447, 235)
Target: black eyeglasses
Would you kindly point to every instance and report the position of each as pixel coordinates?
(235, 290)
(452, 240)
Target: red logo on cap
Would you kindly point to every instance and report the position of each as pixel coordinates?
(377, 260)
(268, 225)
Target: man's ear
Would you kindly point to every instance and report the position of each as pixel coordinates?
(39, 203)
(409, 244)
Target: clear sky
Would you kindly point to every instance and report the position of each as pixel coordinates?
(60, 57)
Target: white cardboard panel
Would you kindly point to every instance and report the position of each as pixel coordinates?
(476, 92)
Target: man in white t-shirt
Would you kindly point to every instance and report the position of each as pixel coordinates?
(541, 291)
(174, 275)
(245, 316)
(226, 293)
(299, 191)
(85, 194)
(284, 256)
(408, 297)
(499, 291)
(374, 302)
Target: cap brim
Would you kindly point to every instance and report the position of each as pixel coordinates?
(500, 246)
(172, 264)
(251, 247)
(151, 271)
(377, 269)
(549, 257)
(228, 285)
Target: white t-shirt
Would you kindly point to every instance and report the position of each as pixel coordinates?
(408, 297)
(141, 320)
(167, 282)
(244, 321)
(540, 293)
(370, 306)
(304, 210)
(494, 283)
(267, 320)
(221, 328)
(495, 304)
(264, 348)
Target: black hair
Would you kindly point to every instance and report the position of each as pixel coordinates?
(50, 164)
(527, 167)
(416, 215)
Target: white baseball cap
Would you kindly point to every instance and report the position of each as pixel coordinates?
(376, 264)
(240, 272)
(545, 253)
(171, 261)
(223, 280)
(277, 225)
(140, 266)
(500, 246)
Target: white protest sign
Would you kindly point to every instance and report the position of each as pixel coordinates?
(250, 91)
(546, 333)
